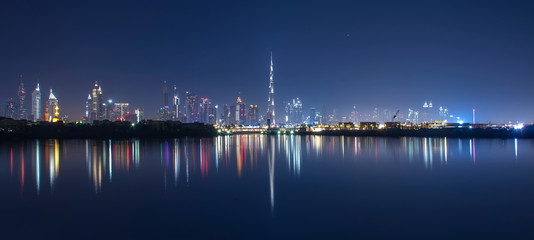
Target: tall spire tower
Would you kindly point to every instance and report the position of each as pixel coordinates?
(270, 108)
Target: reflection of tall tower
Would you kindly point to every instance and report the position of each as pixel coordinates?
(22, 97)
(36, 104)
(270, 154)
(270, 108)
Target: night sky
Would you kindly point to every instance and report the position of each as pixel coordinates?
(394, 55)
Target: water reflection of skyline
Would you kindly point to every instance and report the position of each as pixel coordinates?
(188, 160)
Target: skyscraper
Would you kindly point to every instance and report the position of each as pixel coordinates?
(140, 114)
(205, 105)
(122, 109)
(98, 110)
(22, 98)
(225, 115)
(240, 112)
(176, 104)
(191, 107)
(165, 92)
(289, 112)
(88, 107)
(270, 116)
(11, 109)
(36, 104)
(52, 108)
(253, 115)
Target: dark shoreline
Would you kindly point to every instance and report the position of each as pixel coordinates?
(13, 129)
(21, 129)
(453, 133)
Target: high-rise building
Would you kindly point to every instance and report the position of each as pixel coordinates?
(52, 108)
(110, 111)
(297, 111)
(176, 104)
(98, 111)
(36, 104)
(88, 107)
(140, 114)
(11, 109)
(225, 115)
(191, 107)
(21, 94)
(232, 115)
(122, 109)
(165, 92)
(240, 112)
(314, 117)
(253, 115)
(205, 110)
(270, 116)
(164, 114)
(289, 112)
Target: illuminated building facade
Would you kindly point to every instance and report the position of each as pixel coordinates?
(191, 107)
(139, 114)
(208, 113)
(165, 114)
(52, 108)
(270, 116)
(97, 109)
(121, 111)
(176, 104)
(36, 104)
(21, 94)
(253, 117)
(11, 109)
(240, 112)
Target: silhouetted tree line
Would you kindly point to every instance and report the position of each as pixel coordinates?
(10, 128)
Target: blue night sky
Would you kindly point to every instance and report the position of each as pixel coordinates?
(394, 55)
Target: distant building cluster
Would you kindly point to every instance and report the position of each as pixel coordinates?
(96, 109)
(190, 108)
(16, 108)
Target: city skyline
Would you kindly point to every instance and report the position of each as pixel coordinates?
(366, 55)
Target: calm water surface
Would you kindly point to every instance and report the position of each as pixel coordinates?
(255, 186)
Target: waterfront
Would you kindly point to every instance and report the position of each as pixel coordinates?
(260, 186)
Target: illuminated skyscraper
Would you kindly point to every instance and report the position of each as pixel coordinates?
(140, 114)
(176, 104)
(225, 115)
(98, 111)
(36, 104)
(122, 109)
(289, 112)
(88, 107)
(191, 107)
(22, 99)
(270, 116)
(11, 109)
(52, 108)
(297, 111)
(253, 115)
(240, 112)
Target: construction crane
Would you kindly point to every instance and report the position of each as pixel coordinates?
(395, 116)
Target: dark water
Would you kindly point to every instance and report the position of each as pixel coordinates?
(253, 186)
